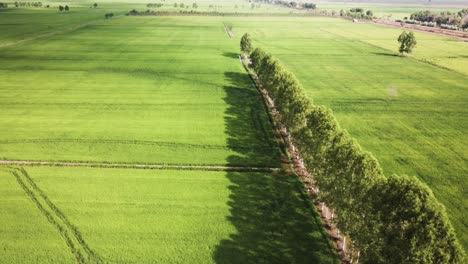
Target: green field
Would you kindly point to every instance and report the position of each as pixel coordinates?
(171, 90)
(164, 216)
(165, 90)
(135, 90)
(410, 114)
(25, 235)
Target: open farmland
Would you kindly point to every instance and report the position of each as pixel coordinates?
(134, 90)
(167, 216)
(25, 23)
(410, 114)
(97, 98)
(23, 226)
(144, 90)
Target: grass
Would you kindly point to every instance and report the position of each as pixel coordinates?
(165, 216)
(135, 90)
(410, 114)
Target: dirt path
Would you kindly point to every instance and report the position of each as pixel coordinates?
(228, 30)
(136, 166)
(434, 30)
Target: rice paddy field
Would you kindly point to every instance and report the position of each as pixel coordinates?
(170, 90)
(135, 90)
(162, 216)
(411, 114)
(143, 90)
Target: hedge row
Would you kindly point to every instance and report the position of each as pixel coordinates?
(393, 219)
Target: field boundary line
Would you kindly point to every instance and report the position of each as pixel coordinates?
(137, 166)
(127, 142)
(70, 234)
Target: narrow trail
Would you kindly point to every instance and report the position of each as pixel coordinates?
(228, 30)
(136, 166)
(70, 234)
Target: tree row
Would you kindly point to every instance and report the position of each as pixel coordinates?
(393, 219)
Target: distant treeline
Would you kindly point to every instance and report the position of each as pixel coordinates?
(28, 4)
(3, 5)
(457, 19)
(394, 219)
(357, 13)
(287, 3)
(212, 13)
(154, 5)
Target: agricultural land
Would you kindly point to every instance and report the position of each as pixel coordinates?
(157, 146)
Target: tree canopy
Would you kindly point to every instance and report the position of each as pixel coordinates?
(390, 219)
(246, 44)
(407, 42)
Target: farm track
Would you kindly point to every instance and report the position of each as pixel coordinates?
(70, 234)
(137, 166)
(228, 31)
(298, 168)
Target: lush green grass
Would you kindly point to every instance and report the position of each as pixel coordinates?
(410, 114)
(164, 216)
(136, 90)
(26, 236)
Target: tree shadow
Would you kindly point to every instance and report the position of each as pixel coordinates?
(231, 55)
(274, 219)
(247, 126)
(386, 54)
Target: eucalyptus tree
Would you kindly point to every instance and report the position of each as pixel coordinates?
(414, 227)
(246, 44)
(407, 42)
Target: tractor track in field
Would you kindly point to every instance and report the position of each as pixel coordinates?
(137, 166)
(70, 234)
(228, 30)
